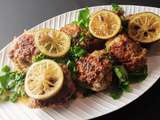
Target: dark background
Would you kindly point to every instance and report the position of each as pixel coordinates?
(17, 15)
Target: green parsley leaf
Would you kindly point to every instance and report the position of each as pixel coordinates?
(39, 57)
(72, 68)
(5, 69)
(116, 8)
(138, 76)
(125, 86)
(121, 73)
(81, 37)
(122, 76)
(116, 93)
(83, 18)
(11, 84)
(76, 52)
(3, 81)
(13, 97)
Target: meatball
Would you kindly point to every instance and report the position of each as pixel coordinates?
(89, 42)
(62, 97)
(95, 71)
(72, 30)
(22, 51)
(127, 52)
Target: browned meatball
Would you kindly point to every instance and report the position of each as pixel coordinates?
(89, 42)
(127, 52)
(95, 71)
(72, 30)
(22, 51)
(62, 97)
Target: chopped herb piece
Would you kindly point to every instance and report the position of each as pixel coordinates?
(116, 8)
(81, 37)
(72, 68)
(116, 93)
(5, 69)
(121, 73)
(122, 76)
(13, 98)
(76, 52)
(39, 57)
(125, 86)
(11, 84)
(138, 76)
(83, 18)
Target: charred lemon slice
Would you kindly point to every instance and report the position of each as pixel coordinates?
(52, 42)
(43, 79)
(104, 24)
(144, 27)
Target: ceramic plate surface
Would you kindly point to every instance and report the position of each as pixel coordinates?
(90, 107)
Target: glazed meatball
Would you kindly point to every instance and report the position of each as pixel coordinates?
(127, 52)
(95, 71)
(22, 51)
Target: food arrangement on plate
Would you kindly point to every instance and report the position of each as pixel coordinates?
(98, 52)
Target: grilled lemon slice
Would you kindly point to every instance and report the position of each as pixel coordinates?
(144, 27)
(43, 79)
(52, 42)
(104, 24)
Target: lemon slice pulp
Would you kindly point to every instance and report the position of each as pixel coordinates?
(43, 79)
(144, 27)
(52, 42)
(104, 24)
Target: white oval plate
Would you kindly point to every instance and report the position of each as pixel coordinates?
(90, 107)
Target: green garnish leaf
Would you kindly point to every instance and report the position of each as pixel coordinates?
(125, 86)
(116, 93)
(125, 78)
(83, 18)
(11, 84)
(122, 76)
(138, 76)
(76, 52)
(13, 98)
(5, 69)
(39, 57)
(121, 73)
(3, 81)
(81, 37)
(72, 68)
(116, 8)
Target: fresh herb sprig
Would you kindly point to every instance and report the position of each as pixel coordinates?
(116, 8)
(125, 79)
(39, 57)
(122, 76)
(83, 18)
(138, 76)
(74, 54)
(11, 84)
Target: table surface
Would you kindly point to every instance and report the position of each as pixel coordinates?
(17, 15)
